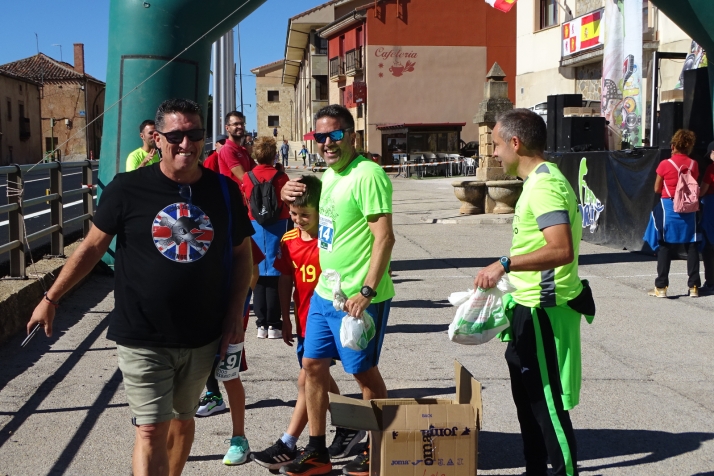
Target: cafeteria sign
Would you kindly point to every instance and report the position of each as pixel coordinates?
(582, 33)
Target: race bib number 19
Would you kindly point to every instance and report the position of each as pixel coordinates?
(326, 233)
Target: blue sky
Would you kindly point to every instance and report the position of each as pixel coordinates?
(86, 21)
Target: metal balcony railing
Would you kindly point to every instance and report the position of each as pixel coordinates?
(337, 68)
(353, 61)
(56, 197)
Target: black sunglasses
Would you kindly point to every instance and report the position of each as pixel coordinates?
(176, 137)
(339, 134)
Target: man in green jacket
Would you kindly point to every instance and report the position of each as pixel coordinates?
(543, 353)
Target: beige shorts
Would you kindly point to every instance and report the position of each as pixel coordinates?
(163, 383)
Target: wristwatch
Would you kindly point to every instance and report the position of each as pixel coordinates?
(506, 263)
(368, 292)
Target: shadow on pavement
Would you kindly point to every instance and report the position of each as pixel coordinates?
(16, 360)
(416, 328)
(421, 304)
(270, 403)
(505, 450)
(451, 263)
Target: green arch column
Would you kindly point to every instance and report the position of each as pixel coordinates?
(143, 37)
(696, 19)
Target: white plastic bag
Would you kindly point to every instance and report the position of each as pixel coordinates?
(334, 279)
(356, 333)
(480, 315)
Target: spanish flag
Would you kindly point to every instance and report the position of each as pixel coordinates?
(590, 30)
(503, 5)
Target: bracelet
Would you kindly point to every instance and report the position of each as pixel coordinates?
(54, 303)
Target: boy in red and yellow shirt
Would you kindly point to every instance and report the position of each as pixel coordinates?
(299, 265)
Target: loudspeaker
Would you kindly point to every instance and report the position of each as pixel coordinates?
(698, 106)
(581, 134)
(671, 119)
(556, 104)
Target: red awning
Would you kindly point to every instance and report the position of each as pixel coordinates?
(309, 136)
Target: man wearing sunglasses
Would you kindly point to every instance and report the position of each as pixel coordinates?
(356, 238)
(182, 269)
(233, 159)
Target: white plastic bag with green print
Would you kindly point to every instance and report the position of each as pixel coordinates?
(356, 333)
(480, 315)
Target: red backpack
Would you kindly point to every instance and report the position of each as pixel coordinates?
(686, 195)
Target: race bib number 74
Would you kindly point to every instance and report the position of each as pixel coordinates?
(325, 233)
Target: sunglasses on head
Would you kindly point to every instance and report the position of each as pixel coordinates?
(176, 137)
(339, 134)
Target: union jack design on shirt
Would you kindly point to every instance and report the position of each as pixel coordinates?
(182, 232)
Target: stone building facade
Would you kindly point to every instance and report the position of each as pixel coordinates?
(20, 123)
(274, 102)
(70, 100)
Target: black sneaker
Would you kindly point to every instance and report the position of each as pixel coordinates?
(275, 457)
(358, 466)
(344, 441)
(309, 462)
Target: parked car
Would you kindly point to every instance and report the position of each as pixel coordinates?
(469, 149)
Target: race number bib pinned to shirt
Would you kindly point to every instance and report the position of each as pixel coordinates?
(325, 234)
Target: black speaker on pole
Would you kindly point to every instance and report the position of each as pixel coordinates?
(698, 106)
(671, 119)
(556, 104)
(581, 134)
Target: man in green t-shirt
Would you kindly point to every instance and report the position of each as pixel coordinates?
(543, 353)
(355, 238)
(147, 154)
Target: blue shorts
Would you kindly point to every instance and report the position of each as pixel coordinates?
(300, 350)
(322, 335)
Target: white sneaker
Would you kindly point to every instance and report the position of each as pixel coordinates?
(274, 333)
(262, 333)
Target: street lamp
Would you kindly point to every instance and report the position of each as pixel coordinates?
(60, 47)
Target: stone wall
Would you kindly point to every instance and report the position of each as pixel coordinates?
(280, 108)
(588, 81)
(584, 6)
(13, 148)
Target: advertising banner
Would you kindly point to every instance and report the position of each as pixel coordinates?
(622, 69)
(615, 192)
(582, 33)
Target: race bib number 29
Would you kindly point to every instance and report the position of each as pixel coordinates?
(325, 234)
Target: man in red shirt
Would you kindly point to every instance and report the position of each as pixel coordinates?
(211, 162)
(233, 158)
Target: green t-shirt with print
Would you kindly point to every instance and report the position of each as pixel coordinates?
(134, 159)
(362, 189)
(547, 200)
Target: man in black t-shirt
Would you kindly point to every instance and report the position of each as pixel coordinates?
(182, 270)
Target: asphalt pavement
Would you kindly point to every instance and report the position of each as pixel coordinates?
(646, 407)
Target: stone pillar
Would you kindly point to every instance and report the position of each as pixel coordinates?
(495, 101)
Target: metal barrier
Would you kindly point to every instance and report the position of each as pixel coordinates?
(56, 197)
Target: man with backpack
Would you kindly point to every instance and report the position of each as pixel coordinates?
(271, 219)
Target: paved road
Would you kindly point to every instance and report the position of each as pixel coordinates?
(647, 403)
(38, 217)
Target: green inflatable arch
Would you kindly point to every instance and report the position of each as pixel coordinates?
(158, 49)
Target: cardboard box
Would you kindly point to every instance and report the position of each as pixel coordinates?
(418, 436)
(572, 111)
